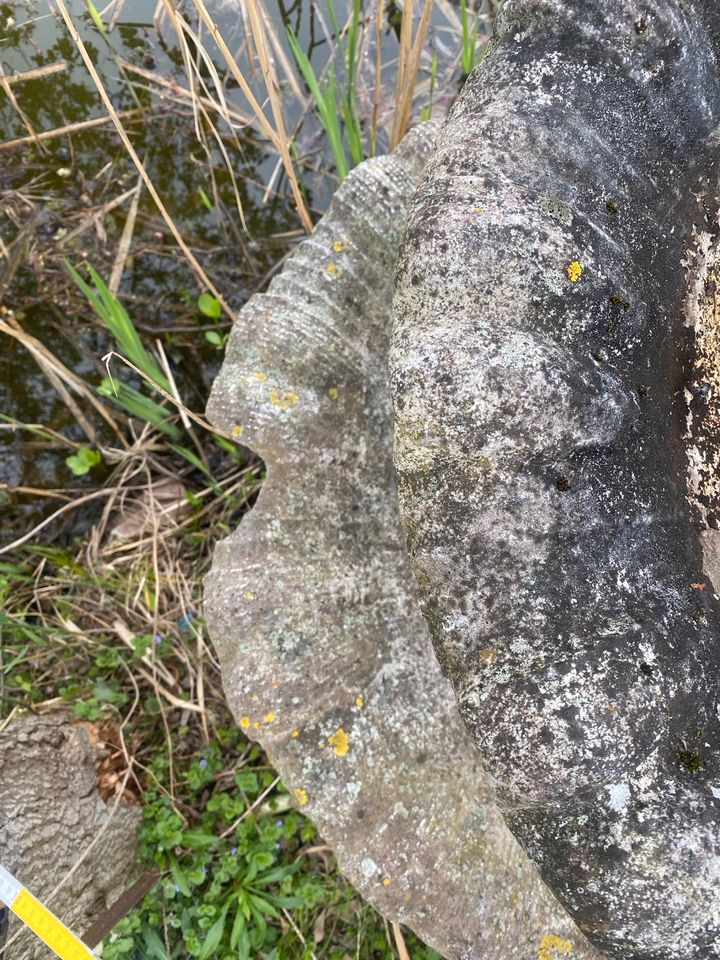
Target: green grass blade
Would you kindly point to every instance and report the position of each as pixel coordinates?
(125, 333)
(116, 318)
(96, 19)
(325, 104)
(138, 405)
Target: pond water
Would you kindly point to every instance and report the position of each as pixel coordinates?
(69, 197)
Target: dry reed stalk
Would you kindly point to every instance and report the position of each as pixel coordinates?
(67, 129)
(77, 502)
(194, 75)
(277, 137)
(35, 492)
(246, 813)
(287, 69)
(189, 255)
(377, 92)
(117, 12)
(408, 66)
(405, 48)
(125, 240)
(96, 216)
(46, 433)
(298, 932)
(200, 421)
(153, 678)
(230, 114)
(47, 360)
(32, 133)
(176, 395)
(400, 942)
(38, 74)
(267, 68)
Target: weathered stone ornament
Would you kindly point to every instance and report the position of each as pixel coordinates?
(325, 657)
(556, 386)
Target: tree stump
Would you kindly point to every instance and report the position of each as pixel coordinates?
(51, 817)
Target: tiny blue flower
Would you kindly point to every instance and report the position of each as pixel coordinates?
(203, 762)
(158, 638)
(233, 851)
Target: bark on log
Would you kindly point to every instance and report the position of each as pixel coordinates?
(51, 816)
(555, 377)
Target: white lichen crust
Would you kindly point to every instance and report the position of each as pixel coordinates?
(326, 659)
(540, 362)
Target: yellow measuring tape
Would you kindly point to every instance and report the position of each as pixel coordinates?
(41, 921)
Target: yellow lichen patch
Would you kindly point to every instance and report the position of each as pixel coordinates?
(284, 401)
(488, 654)
(339, 246)
(386, 881)
(552, 946)
(262, 377)
(269, 717)
(301, 796)
(249, 595)
(340, 742)
(256, 725)
(333, 393)
(478, 209)
(237, 430)
(244, 722)
(334, 270)
(574, 271)
(296, 733)
(359, 702)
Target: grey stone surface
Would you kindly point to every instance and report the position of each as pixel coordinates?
(51, 817)
(554, 369)
(310, 602)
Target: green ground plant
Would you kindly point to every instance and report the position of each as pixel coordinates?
(336, 104)
(470, 54)
(241, 872)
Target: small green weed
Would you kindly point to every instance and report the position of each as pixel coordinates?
(82, 461)
(243, 872)
(114, 315)
(426, 111)
(336, 106)
(209, 306)
(470, 55)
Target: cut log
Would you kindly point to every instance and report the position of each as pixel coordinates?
(71, 849)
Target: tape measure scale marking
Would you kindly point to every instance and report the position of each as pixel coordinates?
(40, 920)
